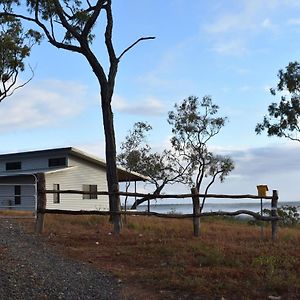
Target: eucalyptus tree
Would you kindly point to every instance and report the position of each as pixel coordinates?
(15, 46)
(283, 117)
(161, 168)
(71, 25)
(194, 124)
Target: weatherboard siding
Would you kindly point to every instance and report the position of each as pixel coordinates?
(31, 163)
(83, 172)
(7, 193)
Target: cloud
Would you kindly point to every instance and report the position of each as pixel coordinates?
(294, 22)
(267, 23)
(148, 106)
(252, 162)
(233, 47)
(42, 103)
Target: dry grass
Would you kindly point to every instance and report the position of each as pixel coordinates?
(160, 258)
(15, 213)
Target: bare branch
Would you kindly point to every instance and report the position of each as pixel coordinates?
(136, 42)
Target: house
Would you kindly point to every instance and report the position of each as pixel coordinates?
(64, 169)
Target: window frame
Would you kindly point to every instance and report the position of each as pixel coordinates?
(13, 165)
(92, 189)
(17, 194)
(56, 197)
(57, 162)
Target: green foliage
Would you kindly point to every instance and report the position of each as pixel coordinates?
(15, 47)
(194, 124)
(282, 118)
(288, 214)
(136, 155)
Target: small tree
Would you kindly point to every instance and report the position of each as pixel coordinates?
(161, 168)
(15, 47)
(283, 117)
(194, 125)
(131, 150)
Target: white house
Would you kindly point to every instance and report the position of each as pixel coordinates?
(64, 169)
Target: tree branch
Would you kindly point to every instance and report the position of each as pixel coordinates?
(136, 42)
(91, 21)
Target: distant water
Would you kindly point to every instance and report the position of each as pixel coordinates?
(208, 207)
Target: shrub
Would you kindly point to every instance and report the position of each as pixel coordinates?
(288, 214)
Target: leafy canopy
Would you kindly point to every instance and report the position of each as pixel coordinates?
(283, 117)
(194, 124)
(15, 47)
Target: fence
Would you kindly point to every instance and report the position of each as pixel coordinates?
(196, 215)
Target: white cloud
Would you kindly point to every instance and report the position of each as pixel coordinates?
(147, 106)
(233, 47)
(42, 103)
(294, 22)
(267, 23)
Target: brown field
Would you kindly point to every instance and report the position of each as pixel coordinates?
(160, 258)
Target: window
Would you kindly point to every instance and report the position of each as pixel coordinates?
(17, 194)
(56, 162)
(92, 189)
(56, 197)
(15, 165)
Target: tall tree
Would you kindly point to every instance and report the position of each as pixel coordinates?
(283, 117)
(194, 125)
(161, 168)
(70, 25)
(15, 47)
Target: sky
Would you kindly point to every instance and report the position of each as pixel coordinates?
(230, 50)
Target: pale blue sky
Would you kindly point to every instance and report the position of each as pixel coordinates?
(230, 50)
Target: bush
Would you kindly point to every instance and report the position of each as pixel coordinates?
(288, 214)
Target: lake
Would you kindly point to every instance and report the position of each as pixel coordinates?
(208, 207)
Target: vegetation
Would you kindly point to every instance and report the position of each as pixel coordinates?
(161, 168)
(230, 260)
(288, 215)
(70, 25)
(194, 124)
(15, 47)
(283, 117)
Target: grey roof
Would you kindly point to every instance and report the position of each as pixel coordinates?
(123, 174)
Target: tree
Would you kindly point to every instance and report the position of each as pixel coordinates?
(283, 117)
(15, 47)
(194, 124)
(70, 25)
(161, 168)
(131, 150)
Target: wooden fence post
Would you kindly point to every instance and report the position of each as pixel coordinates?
(274, 214)
(196, 210)
(41, 202)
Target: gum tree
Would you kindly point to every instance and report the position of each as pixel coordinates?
(283, 117)
(194, 124)
(70, 25)
(161, 169)
(15, 47)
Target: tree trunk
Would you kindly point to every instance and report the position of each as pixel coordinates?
(144, 199)
(111, 164)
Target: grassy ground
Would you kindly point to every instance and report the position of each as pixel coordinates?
(160, 258)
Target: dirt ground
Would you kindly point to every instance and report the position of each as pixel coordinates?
(160, 259)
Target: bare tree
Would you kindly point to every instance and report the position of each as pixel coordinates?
(69, 25)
